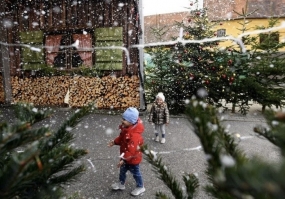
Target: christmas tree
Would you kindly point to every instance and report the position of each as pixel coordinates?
(206, 67)
(198, 66)
(36, 162)
(258, 72)
(157, 72)
(191, 67)
(159, 77)
(266, 85)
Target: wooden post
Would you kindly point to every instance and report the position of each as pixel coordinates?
(4, 54)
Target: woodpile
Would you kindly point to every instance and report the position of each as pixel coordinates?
(40, 90)
(121, 92)
(106, 92)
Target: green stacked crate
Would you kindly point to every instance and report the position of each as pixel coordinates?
(32, 52)
(109, 59)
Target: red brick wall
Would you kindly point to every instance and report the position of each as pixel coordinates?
(219, 9)
(161, 21)
(223, 9)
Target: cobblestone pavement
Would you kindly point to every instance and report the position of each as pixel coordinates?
(181, 153)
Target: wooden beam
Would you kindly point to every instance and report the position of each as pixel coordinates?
(4, 57)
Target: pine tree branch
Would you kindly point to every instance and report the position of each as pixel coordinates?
(192, 184)
(63, 134)
(12, 172)
(274, 131)
(68, 177)
(28, 113)
(231, 174)
(255, 178)
(160, 195)
(166, 176)
(42, 166)
(61, 158)
(20, 137)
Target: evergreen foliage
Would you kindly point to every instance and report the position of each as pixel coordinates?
(190, 180)
(196, 65)
(260, 72)
(267, 68)
(158, 74)
(230, 173)
(191, 68)
(37, 162)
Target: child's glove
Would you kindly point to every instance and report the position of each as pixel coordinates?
(111, 143)
(120, 163)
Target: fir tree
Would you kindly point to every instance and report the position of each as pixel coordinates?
(36, 162)
(190, 68)
(159, 77)
(258, 72)
(203, 67)
(267, 68)
(197, 65)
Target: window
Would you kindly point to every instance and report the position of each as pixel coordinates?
(268, 40)
(61, 54)
(221, 32)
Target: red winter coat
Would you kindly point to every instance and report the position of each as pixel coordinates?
(130, 140)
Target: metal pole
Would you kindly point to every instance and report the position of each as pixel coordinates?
(141, 55)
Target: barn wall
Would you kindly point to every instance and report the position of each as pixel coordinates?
(62, 17)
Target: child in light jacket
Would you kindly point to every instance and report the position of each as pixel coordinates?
(159, 115)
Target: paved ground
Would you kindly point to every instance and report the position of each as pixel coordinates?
(181, 153)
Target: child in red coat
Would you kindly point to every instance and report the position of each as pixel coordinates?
(130, 140)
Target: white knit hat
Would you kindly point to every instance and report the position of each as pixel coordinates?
(161, 96)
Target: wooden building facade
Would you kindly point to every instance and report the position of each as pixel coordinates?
(68, 37)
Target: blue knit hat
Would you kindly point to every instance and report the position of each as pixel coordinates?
(131, 115)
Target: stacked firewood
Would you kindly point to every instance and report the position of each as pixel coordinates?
(41, 90)
(119, 92)
(106, 92)
(84, 90)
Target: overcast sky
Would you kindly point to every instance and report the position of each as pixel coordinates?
(153, 7)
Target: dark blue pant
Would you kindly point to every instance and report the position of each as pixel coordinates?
(135, 170)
